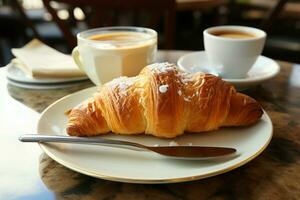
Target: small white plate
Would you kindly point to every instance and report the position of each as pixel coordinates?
(147, 167)
(263, 69)
(16, 74)
(45, 86)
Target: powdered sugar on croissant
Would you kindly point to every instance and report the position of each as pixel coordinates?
(165, 102)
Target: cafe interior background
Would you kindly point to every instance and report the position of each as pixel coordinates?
(182, 29)
(22, 20)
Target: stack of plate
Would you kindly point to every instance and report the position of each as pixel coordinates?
(18, 78)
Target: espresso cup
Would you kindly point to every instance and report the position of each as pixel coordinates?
(106, 53)
(232, 50)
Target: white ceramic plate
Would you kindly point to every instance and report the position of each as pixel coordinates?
(263, 69)
(147, 167)
(45, 86)
(15, 74)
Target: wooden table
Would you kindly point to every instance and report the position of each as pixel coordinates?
(28, 173)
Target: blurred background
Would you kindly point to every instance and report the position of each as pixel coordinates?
(179, 22)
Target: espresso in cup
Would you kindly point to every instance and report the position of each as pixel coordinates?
(107, 53)
(233, 34)
(232, 50)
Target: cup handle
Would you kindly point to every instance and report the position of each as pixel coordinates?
(77, 58)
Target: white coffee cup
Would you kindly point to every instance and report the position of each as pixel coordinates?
(232, 56)
(107, 53)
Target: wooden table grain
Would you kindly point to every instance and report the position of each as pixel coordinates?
(28, 173)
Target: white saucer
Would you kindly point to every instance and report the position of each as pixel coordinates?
(263, 69)
(147, 167)
(16, 74)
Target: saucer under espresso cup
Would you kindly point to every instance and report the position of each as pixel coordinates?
(107, 53)
(262, 70)
(232, 50)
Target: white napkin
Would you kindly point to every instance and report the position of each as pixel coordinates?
(39, 60)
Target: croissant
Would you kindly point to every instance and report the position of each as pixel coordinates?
(165, 102)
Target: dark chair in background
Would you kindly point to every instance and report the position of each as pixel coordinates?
(12, 33)
(279, 18)
(100, 13)
(283, 30)
(20, 25)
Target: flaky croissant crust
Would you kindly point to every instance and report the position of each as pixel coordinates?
(165, 102)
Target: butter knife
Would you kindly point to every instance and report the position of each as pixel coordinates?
(177, 152)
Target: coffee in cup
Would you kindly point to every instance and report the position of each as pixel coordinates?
(233, 34)
(107, 53)
(232, 50)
